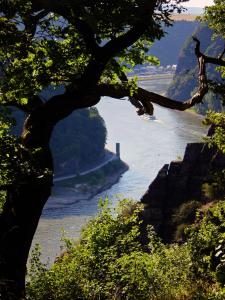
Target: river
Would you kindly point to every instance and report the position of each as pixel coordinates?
(146, 145)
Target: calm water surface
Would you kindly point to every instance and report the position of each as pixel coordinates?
(145, 146)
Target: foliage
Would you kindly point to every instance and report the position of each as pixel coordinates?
(110, 263)
(215, 17)
(184, 216)
(8, 154)
(53, 49)
(218, 137)
(86, 132)
(186, 212)
(206, 242)
(16, 162)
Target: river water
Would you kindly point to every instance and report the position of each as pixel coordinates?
(146, 145)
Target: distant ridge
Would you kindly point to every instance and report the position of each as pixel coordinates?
(185, 17)
(194, 10)
(190, 14)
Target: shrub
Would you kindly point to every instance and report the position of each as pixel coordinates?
(109, 263)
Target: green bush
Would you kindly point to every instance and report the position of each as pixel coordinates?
(110, 262)
(207, 241)
(184, 215)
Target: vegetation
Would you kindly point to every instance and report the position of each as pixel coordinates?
(110, 262)
(218, 137)
(185, 80)
(87, 47)
(78, 141)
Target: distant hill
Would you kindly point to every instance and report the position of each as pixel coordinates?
(167, 49)
(185, 80)
(184, 17)
(78, 142)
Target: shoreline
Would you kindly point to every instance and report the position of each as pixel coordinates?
(152, 76)
(70, 193)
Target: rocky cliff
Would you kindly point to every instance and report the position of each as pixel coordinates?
(180, 182)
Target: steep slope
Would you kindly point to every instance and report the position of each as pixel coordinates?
(182, 186)
(185, 80)
(168, 48)
(78, 141)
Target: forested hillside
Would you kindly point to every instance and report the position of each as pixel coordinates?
(78, 141)
(185, 80)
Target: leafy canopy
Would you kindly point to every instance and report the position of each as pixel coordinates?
(215, 17)
(46, 43)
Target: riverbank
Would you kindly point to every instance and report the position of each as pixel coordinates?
(79, 188)
(147, 77)
(155, 76)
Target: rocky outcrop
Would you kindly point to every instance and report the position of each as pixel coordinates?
(179, 182)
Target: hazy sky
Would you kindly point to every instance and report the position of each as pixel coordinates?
(198, 3)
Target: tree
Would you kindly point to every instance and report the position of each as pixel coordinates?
(86, 46)
(215, 17)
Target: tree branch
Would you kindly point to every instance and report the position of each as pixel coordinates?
(146, 98)
(208, 59)
(222, 54)
(119, 91)
(32, 104)
(59, 7)
(31, 21)
(61, 106)
(116, 45)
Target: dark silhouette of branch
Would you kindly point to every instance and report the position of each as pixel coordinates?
(32, 104)
(116, 45)
(143, 107)
(208, 59)
(85, 29)
(146, 97)
(222, 54)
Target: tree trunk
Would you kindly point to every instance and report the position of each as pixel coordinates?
(22, 210)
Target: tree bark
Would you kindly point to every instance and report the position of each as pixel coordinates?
(23, 207)
(28, 195)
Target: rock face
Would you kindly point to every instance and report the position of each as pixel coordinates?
(177, 183)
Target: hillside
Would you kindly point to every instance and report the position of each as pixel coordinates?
(185, 80)
(81, 138)
(167, 49)
(78, 141)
